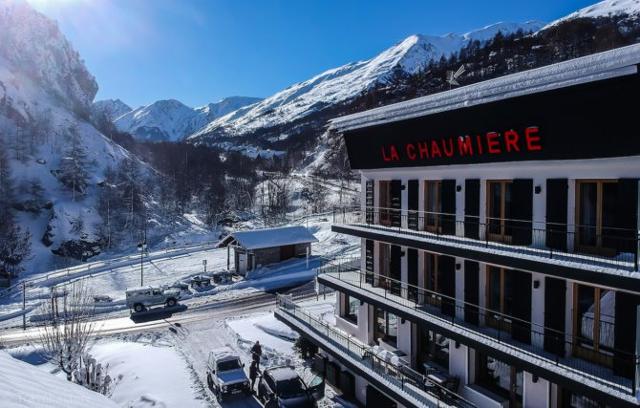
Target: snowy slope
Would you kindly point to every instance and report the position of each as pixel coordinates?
(23, 385)
(109, 108)
(343, 83)
(607, 8)
(171, 120)
(46, 96)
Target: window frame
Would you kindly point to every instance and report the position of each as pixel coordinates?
(504, 236)
(345, 307)
(599, 247)
(595, 351)
(504, 322)
(436, 226)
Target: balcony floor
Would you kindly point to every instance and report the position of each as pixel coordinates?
(615, 266)
(620, 388)
(352, 355)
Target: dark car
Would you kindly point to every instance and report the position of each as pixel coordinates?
(282, 387)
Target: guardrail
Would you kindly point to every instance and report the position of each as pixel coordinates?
(518, 334)
(617, 248)
(409, 381)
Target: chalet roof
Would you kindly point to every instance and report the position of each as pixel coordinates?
(604, 65)
(269, 237)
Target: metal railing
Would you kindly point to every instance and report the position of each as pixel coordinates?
(601, 363)
(611, 247)
(403, 377)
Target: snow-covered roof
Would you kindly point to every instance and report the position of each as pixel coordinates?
(269, 237)
(223, 353)
(282, 373)
(595, 67)
(23, 385)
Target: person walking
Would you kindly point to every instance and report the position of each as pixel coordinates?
(253, 374)
(256, 351)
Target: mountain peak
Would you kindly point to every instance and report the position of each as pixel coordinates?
(33, 43)
(607, 8)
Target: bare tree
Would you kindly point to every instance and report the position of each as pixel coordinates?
(65, 336)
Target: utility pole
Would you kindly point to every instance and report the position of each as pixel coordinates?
(143, 244)
(24, 306)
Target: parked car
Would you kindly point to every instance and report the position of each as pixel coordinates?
(200, 281)
(283, 387)
(182, 286)
(225, 374)
(222, 277)
(139, 299)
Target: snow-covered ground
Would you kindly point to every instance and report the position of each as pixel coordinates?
(162, 268)
(23, 385)
(149, 373)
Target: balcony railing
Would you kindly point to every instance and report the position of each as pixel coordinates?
(607, 247)
(402, 378)
(519, 336)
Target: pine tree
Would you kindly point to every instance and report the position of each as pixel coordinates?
(73, 166)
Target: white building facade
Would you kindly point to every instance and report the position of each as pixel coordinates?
(499, 261)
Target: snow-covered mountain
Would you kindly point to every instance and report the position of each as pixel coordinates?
(607, 8)
(58, 160)
(171, 120)
(109, 109)
(340, 84)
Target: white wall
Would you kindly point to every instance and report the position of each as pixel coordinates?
(535, 394)
(459, 288)
(537, 310)
(458, 361)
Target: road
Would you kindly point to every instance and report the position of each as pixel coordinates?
(197, 310)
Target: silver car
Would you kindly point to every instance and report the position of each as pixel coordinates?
(225, 374)
(139, 299)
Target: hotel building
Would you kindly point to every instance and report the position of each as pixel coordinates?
(499, 259)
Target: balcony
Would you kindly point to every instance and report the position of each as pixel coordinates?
(507, 338)
(608, 257)
(400, 382)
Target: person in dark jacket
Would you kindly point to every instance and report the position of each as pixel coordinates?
(253, 374)
(256, 351)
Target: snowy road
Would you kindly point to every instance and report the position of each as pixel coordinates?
(198, 310)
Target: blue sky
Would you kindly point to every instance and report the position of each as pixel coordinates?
(199, 51)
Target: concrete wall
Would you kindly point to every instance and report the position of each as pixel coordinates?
(536, 394)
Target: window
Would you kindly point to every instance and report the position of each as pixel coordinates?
(386, 326)
(384, 202)
(432, 205)
(595, 214)
(594, 322)
(500, 378)
(433, 348)
(349, 309)
(431, 279)
(499, 298)
(389, 268)
(499, 211)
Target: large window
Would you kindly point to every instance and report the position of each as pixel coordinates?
(596, 203)
(384, 202)
(499, 298)
(500, 378)
(594, 322)
(499, 210)
(432, 205)
(433, 349)
(431, 279)
(349, 308)
(386, 326)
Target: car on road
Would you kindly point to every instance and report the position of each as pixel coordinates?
(225, 374)
(283, 387)
(139, 299)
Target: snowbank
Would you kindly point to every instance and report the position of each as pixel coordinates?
(147, 375)
(25, 386)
